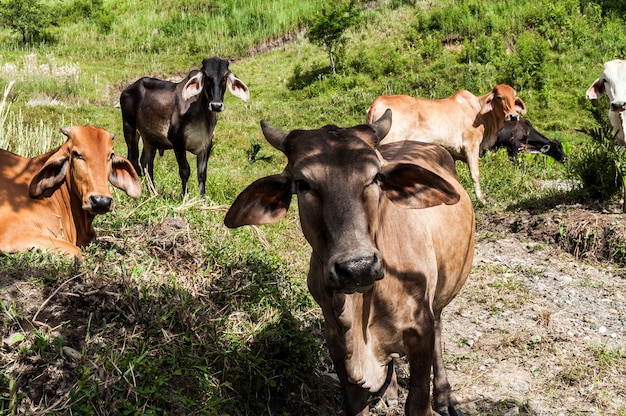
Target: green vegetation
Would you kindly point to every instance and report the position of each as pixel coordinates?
(172, 313)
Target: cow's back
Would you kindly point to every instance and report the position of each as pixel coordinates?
(431, 243)
(441, 121)
(150, 103)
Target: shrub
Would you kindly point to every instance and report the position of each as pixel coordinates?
(30, 18)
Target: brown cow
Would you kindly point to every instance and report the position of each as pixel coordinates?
(392, 233)
(50, 201)
(464, 124)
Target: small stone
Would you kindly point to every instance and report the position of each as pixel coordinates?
(535, 339)
(602, 329)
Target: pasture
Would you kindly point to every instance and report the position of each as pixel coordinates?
(172, 313)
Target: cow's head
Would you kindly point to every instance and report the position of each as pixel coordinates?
(86, 163)
(339, 179)
(613, 83)
(212, 80)
(504, 104)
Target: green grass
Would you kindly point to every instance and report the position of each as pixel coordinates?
(200, 319)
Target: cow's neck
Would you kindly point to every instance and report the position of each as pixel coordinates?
(80, 221)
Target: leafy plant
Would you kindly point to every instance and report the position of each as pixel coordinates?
(327, 28)
(30, 18)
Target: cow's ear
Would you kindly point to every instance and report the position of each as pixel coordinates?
(265, 201)
(124, 177)
(193, 87)
(488, 105)
(596, 90)
(238, 88)
(50, 176)
(413, 186)
(520, 106)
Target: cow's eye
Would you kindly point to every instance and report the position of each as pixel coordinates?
(302, 185)
(76, 155)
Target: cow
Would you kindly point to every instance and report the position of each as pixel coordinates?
(49, 202)
(464, 124)
(613, 83)
(392, 238)
(520, 136)
(180, 116)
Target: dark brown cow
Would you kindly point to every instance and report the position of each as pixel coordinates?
(392, 233)
(50, 201)
(520, 136)
(180, 116)
(464, 124)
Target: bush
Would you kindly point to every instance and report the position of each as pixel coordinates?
(30, 18)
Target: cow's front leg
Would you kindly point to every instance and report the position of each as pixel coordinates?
(419, 344)
(354, 397)
(183, 168)
(201, 163)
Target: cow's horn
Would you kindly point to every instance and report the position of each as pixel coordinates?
(382, 125)
(276, 137)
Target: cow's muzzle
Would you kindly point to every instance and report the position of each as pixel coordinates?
(511, 117)
(216, 107)
(355, 274)
(618, 106)
(99, 204)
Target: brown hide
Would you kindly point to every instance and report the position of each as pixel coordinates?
(392, 233)
(49, 201)
(464, 124)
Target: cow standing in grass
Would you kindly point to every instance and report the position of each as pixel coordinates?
(392, 233)
(180, 116)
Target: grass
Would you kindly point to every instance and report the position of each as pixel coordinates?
(172, 313)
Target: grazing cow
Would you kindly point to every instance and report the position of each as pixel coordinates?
(464, 124)
(392, 233)
(521, 137)
(180, 116)
(613, 82)
(49, 201)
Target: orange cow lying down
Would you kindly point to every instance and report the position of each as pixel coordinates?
(50, 201)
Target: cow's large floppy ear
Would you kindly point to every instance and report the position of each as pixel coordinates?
(265, 201)
(50, 176)
(488, 105)
(596, 90)
(413, 186)
(237, 87)
(520, 106)
(193, 86)
(124, 177)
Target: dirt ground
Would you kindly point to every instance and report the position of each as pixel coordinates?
(539, 328)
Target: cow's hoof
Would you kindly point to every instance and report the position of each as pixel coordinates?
(449, 411)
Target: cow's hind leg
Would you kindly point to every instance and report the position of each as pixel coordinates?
(132, 140)
(420, 347)
(147, 164)
(443, 400)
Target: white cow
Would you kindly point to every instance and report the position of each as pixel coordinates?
(613, 82)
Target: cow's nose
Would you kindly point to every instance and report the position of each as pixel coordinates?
(618, 106)
(356, 274)
(100, 203)
(512, 117)
(216, 107)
